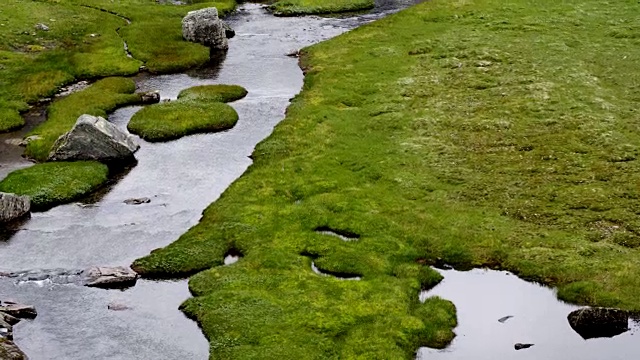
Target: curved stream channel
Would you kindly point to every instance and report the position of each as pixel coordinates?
(183, 177)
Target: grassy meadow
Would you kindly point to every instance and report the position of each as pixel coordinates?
(498, 133)
(310, 7)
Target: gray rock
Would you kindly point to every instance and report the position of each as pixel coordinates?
(205, 27)
(110, 277)
(94, 138)
(18, 310)
(42, 27)
(13, 207)
(599, 322)
(151, 97)
(9, 351)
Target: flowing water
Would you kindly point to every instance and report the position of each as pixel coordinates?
(181, 178)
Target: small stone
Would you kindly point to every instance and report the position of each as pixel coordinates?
(31, 138)
(293, 53)
(114, 306)
(110, 277)
(519, 346)
(19, 310)
(151, 97)
(42, 27)
(138, 201)
(484, 63)
(505, 318)
(13, 207)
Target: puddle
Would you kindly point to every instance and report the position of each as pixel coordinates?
(484, 297)
(335, 275)
(345, 235)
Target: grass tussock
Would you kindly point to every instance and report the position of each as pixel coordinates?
(310, 7)
(100, 98)
(56, 183)
(175, 119)
(477, 133)
(213, 93)
(84, 42)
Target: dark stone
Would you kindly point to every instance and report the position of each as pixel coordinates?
(228, 31)
(599, 322)
(505, 318)
(151, 97)
(138, 201)
(519, 346)
(18, 310)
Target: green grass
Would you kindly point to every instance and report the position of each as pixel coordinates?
(100, 98)
(214, 93)
(173, 120)
(309, 7)
(481, 133)
(56, 183)
(86, 43)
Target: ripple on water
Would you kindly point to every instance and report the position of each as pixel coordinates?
(484, 297)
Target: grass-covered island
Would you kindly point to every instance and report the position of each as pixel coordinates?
(310, 7)
(478, 133)
(56, 183)
(199, 109)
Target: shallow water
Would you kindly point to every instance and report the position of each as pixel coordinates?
(484, 296)
(181, 178)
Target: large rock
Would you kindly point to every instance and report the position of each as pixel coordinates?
(110, 277)
(599, 322)
(205, 27)
(13, 207)
(94, 138)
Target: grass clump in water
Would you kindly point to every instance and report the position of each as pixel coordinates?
(56, 183)
(477, 133)
(309, 7)
(100, 98)
(213, 93)
(173, 120)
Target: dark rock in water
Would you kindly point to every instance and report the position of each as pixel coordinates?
(6, 330)
(519, 346)
(94, 138)
(505, 318)
(9, 319)
(18, 310)
(138, 201)
(599, 322)
(228, 31)
(114, 306)
(151, 97)
(293, 53)
(110, 277)
(205, 27)
(13, 207)
(9, 351)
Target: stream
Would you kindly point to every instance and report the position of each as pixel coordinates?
(182, 178)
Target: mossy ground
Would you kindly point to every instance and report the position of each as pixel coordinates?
(98, 99)
(56, 183)
(199, 109)
(86, 43)
(309, 7)
(478, 133)
(214, 93)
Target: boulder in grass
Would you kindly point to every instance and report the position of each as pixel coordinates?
(599, 322)
(205, 27)
(94, 138)
(13, 207)
(110, 277)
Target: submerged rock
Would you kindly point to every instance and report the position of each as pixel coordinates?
(94, 138)
(110, 277)
(13, 207)
(599, 322)
(138, 201)
(228, 31)
(205, 27)
(115, 306)
(519, 346)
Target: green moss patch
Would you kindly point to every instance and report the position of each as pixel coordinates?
(52, 184)
(173, 120)
(214, 93)
(100, 98)
(477, 133)
(309, 7)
